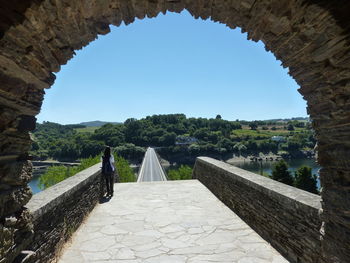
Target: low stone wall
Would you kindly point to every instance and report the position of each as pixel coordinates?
(59, 210)
(285, 216)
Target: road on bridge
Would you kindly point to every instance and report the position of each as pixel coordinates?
(151, 169)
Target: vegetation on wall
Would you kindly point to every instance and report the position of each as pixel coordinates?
(124, 170)
(56, 174)
(184, 172)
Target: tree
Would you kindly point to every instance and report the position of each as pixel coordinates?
(56, 174)
(253, 125)
(194, 149)
(225, 143)
(252, 145)
(53, 175)
(184, 172)
(218, 117)
(167, 139)
(202, 134)
(281, 174)
(299, 124)
(304, 179)
(130, 151)
(293, 146)
(240, 148)
(91, 148)
(290, 127)
(35, 146)
(124, 170)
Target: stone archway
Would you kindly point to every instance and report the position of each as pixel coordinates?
(310, 37)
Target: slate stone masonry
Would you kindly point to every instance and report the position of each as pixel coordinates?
(310, 37)
(285, 216)
(59, 210)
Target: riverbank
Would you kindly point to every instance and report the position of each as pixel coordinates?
(253, 158)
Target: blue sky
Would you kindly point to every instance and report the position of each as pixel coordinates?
(172, 64)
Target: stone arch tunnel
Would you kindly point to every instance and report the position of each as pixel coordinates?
(310, 37)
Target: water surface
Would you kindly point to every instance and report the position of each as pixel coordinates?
(34, 184)
(266, 166)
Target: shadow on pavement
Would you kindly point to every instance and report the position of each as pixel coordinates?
(104, 199)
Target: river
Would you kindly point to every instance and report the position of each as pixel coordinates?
(266, 166)
(34, 184)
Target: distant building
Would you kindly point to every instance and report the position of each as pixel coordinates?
(278, 138)
(185, 140)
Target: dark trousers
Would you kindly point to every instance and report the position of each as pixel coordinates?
(109, 178)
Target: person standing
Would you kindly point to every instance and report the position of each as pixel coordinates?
(108, 170)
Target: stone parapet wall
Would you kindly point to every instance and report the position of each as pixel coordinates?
(59, 210)
(310, 37)
(285, 216)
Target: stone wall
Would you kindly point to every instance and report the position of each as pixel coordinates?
(59, 210)
(310, 37)
(285, 216)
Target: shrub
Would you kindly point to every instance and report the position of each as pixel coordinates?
(281, 174)
(184, 172)
(124, 170)
(304, 179)
(58, 173)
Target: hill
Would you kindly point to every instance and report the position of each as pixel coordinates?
(305, 119)
(97, 123)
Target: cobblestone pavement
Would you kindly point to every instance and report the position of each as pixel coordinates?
(173, 221)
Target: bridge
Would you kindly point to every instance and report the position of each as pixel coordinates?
(151, 169)
(174, 221)
(225, 214)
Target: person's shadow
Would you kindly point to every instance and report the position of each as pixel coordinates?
(104, 199)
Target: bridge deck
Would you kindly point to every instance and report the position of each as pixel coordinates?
(173, 221)
(151, 169)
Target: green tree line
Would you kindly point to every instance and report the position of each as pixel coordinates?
(212, 137)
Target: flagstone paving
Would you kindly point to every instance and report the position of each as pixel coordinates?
(172, 221)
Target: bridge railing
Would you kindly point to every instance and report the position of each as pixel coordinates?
(285, 216)
(60, 209)
(162, 167)
(140, 170)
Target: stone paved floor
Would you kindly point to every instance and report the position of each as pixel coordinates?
(179, 221)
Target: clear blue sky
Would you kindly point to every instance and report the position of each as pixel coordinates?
(172, 64)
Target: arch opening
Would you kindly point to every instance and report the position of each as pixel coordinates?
(201, 64)
(111, 79)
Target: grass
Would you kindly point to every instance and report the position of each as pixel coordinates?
(247, 133)
(86, 129)
(256, 134)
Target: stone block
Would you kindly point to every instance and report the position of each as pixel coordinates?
(269, 207)
(59, 210)
(16, 173)
(14, 199)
